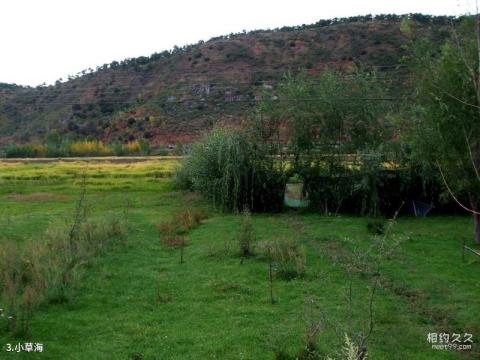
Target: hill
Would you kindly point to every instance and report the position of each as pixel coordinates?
(176, 95)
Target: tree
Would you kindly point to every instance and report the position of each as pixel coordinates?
(234, 172)
(144, 146)
(330, 118)
(178, 148)
(447, 128)
(53, 138)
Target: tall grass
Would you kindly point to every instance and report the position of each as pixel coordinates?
(47, 270)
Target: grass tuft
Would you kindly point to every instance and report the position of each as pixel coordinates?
(174, 240)
(289, 259)
(181, 223)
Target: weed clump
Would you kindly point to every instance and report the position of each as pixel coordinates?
(376, 226)
(245, 237)
(174, 241)
(172, 232)
(47, 270)
(289, 259)
(181, 223)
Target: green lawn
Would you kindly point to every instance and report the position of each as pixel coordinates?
(137, 301)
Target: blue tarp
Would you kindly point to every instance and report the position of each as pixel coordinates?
(420, 209)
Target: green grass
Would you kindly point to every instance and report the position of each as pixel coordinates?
(137, 300)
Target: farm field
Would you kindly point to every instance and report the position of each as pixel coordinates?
(141, 298)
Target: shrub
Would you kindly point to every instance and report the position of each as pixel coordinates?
(13, 150)
(233, 172)
(376, 226)
(174, 240)
(181, 222)
(178, 148)
(182, 179)
(237, 52)
(136, 147)
(352, 351)
(289, 258)
(245, 237)
(132, 147)
(89, 148)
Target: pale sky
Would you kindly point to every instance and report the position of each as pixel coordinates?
(43, 40)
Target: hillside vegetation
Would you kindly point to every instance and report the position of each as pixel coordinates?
(175, 95)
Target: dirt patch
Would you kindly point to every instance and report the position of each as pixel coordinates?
(39, 196)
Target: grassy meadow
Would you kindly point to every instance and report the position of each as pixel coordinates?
(142, 296)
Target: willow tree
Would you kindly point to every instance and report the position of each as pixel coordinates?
(329, 118)
(448, 124)
(234, 171)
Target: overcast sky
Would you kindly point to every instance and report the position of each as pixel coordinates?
(43, 40)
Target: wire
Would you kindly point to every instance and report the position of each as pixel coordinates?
(251, 100)
(128, 72)
(182, 85)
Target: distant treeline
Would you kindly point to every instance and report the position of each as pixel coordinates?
(420, 18)
(140, 61)
(82, 148)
